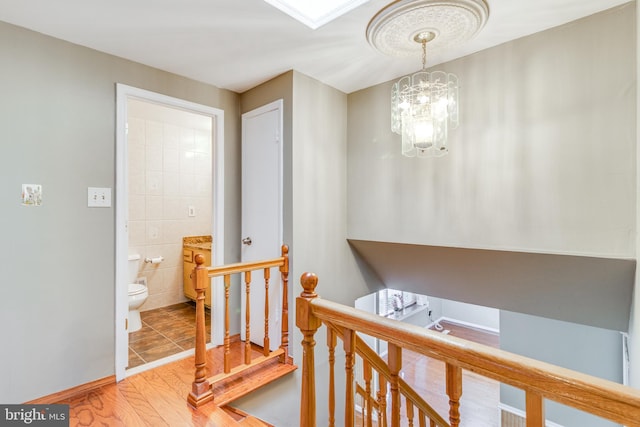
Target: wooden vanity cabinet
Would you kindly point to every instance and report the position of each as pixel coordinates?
(189, 264)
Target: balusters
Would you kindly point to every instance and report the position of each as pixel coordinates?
(349, 344)
(409, 412)
(247, 343)
(331, 343)
(454, 391)
(227, 338)
(202, 389)
(266, 346)
(534, 409)
(368, 407)
(422, 418)
(382, 401)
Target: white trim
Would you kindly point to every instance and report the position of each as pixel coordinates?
(518, 412)
(467, 324)
(123, 93)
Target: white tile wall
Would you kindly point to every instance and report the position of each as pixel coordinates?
(169, 170)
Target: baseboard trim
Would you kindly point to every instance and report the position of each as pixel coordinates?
(66, 394)
(468, 324)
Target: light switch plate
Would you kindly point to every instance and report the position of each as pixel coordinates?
(98, 197)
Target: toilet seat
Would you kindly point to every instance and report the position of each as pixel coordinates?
(136, 289)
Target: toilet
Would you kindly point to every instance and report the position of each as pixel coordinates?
(138, 294)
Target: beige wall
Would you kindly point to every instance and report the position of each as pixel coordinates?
(58, 260)
(522, 173)
(543, 160)
(315, 127)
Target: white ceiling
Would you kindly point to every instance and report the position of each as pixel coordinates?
(237, 44)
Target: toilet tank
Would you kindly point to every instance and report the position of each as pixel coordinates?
(134, 262)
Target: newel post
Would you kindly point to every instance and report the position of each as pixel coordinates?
(308, 324)
(201, 389)
(284, 274)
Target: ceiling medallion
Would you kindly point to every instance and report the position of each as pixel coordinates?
(424, 105)
(452, 22)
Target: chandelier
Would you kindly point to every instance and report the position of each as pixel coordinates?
(424, 105)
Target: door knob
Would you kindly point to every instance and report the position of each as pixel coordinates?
(247, 241)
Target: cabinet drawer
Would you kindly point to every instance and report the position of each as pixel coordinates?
(187, 255)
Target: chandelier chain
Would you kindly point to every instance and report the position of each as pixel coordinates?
(424, 54)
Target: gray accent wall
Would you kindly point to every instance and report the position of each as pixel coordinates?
(57, 129)
(585, 290)
(543, 159)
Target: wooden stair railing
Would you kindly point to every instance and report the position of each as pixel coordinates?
(374, 400)
(539, 380)
(202, 390)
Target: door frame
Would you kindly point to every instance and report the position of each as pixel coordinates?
(123, 94)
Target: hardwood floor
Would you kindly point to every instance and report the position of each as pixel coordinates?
(158, 397)
(480, 395)
(155, 398)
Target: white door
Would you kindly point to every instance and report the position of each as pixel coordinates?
(262, 215)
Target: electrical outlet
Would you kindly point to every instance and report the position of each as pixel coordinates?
(98, 197)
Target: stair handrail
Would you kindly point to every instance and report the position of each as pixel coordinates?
(539, 380)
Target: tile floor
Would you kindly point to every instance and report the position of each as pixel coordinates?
(165, 331)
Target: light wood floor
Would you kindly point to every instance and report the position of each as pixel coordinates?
(158, 397)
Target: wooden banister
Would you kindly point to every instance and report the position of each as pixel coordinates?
(540, 380)
(201, 392)
(375, 362)
(308, 325)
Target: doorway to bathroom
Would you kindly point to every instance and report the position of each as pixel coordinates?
(169, 197)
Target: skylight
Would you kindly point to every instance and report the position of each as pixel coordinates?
(315, 13)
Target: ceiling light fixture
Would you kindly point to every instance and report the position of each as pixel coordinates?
(314, 13)
(424, 105)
